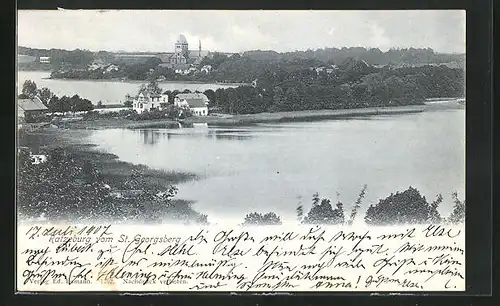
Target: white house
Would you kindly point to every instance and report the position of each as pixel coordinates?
(44, 59)
(111, 68)
(207, 69)
(96, 64)
(146, 101)
(197, 103)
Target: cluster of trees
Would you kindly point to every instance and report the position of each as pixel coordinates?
(69, 104)
(141, 71)
(53, 102)
(407, 207)
(353, 84)
(238, 68)
(58, 58)
(261, 219)
(373, 56)
(60, 188)
(70, 184)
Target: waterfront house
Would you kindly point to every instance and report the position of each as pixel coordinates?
(96, 64)
(44, 60)
(29, 108)
(207, 69)
(111, 68)
(196, 102)
(146, 101)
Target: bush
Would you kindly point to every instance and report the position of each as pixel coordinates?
(149, 115)
(259, 219)
(408, 207)
(93, 115)
(322, 212)
(62, 187)
(37, 118)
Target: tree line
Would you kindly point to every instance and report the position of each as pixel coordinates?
(407, 207)
(373, 56)
(327, 55)
(54, 103)
(59, 58)
(351, 85)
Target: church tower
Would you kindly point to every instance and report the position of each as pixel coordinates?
(181, 50)
(199, 48)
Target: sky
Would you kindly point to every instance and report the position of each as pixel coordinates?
(237, 31)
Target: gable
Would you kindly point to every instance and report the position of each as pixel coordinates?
(196, 103)
(31, 104)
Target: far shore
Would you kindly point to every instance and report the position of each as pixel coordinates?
(223, 119)
(145, 81)
(132, 81)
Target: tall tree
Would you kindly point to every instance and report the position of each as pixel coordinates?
(29, 89)
(153, 87)
(210, 95)
(45, 95)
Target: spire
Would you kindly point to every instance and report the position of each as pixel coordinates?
(199, 48)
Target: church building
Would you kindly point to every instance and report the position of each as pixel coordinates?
(183, 58)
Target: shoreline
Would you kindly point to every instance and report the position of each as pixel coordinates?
(277, 117)
(118, 80)
(116, 174)
(74, 141)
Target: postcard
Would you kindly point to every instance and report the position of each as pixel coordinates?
(240, 151)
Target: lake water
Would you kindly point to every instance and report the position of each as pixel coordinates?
(109, 92)
(272, 167)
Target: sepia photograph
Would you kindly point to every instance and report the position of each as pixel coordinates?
(252, 120)
(247, 116)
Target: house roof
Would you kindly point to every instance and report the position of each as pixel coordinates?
(31, 104)
(196, 102)
(147, 94)
(165, 57)
(194, 99)
(193, 95)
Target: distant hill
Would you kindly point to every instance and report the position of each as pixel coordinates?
(374, 56)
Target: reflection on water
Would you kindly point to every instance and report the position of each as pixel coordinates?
(150, 137)
(154, 136)
(265, 167)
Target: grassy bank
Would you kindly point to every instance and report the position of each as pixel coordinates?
(222, 119)
(308, 115)
(125, 191)
(119, 122)
(112, 169)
